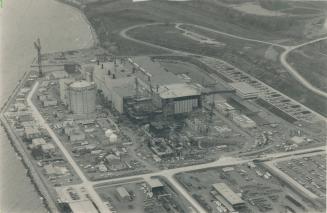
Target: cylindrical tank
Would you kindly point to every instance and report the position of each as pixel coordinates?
(113, 138)
(109, 132)
(82, 95)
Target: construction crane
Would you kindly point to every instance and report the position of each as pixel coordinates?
(37, 45)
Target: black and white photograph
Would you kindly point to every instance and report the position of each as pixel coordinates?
(163, 106)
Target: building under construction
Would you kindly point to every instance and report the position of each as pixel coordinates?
(140, 87)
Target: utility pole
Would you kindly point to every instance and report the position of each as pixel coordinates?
(37, 46)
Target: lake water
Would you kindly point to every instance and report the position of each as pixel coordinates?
(60, 27)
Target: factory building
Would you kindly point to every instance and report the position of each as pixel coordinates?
(242, 121)
(82, 97)
(76, 199)
(155, 185)
(123, 193)
(229, 195)
(244, 90)
(178, 98)
(142, 86)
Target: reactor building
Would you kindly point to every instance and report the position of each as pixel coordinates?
(141, 86)
(79, 96)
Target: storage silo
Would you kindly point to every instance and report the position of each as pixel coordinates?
(82, 95)
(113, 138)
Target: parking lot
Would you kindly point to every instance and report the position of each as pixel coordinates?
(310, 172)
(261, 191)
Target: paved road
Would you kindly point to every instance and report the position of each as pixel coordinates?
(85, 182)
(294, 72)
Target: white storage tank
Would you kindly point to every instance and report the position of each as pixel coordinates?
(82, 96)
(113, 138)
(109, 132)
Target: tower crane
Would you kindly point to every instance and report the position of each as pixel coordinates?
(37, 45)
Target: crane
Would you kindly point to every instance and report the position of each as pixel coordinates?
(37, 45)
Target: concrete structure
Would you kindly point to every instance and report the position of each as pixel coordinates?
(142, 77)
(296, 140)
(154, 184)
(224, 108)
(36, 142)
(82, 97)
(76, 200)
(242, 121)
(178, 98)
(244, 90)
(229, 195)
(57, 75)
(50, 102)
(48, 148)
(123, 193)
(113, 138)
(32, 132)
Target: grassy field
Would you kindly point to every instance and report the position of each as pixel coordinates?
(109, 17)
(311, 62)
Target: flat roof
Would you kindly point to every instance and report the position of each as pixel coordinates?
(124, 91)
(154, 183)
(83, 206)
(82, 84)
(159, 76)
(177, 90)
(227, 193)
(244, 87)
(122, 191)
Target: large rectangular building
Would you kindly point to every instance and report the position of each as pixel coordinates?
(178, 98)
(229, 195)
(245, 90)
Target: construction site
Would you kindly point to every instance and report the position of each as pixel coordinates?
(131, 115)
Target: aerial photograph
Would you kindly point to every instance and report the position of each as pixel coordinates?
(163, 106)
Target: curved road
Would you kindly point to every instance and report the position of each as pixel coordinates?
(294, 72)
(283, 56)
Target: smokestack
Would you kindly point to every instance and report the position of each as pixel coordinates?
(101, 66)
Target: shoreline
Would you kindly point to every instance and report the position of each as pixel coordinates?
(36, 180)
(31, 173)
(80, 10)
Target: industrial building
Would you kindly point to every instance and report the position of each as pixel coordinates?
(141, 86)
(155, 185)
(244, 90)
(76, 199)
(123, 193)
(242, 120)
(229, 195)
(82, 97)
(178, 98)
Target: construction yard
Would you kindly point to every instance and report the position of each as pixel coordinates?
(138, 196)
(261, 191)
